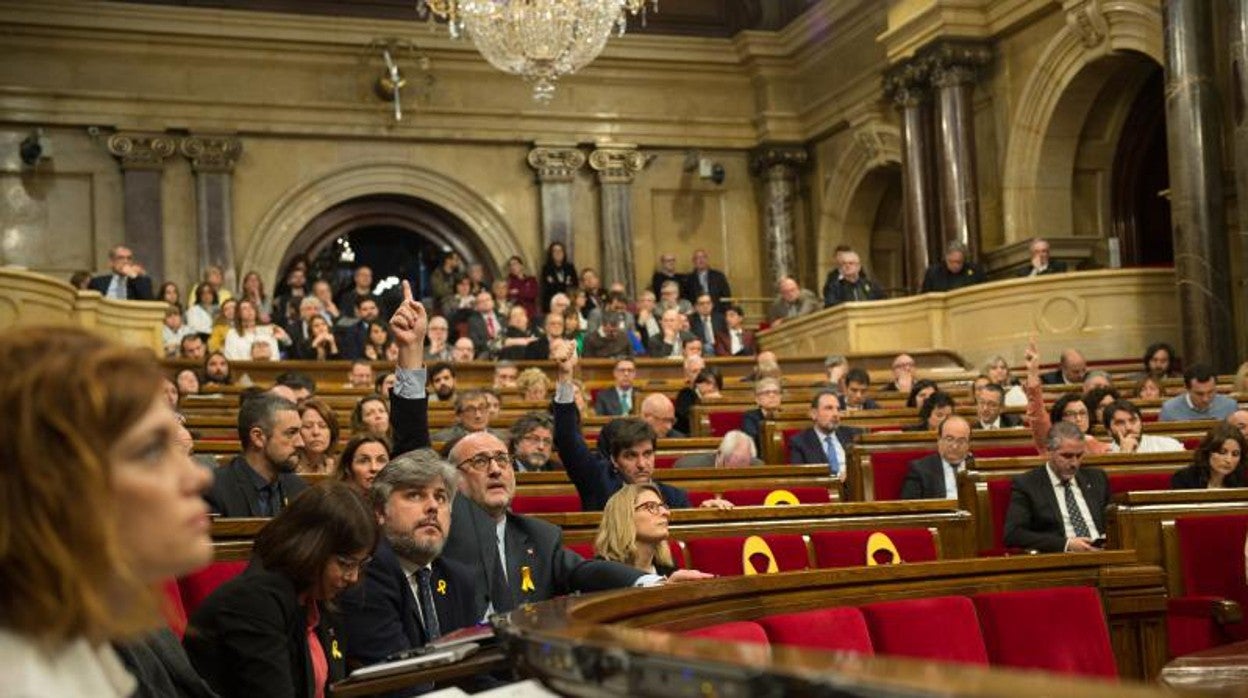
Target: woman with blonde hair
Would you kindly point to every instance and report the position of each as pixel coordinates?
(633, 531)
(99, 503)
(222, 324)
(534, 385)
(248, 330)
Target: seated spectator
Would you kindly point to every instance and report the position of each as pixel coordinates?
(988, 402)
(463, 351)
(953, 272)
(706, 387)
(669, 299)
(735, 450)
(362, 458)
(377, 338)
(472, 414)
(506, 373)
(591, 288)
(617, 400)
(903, 374)
(1160, 361)
(633, 530)
(252, 289)
(669, 344)
(574, 326)
(646, 324)
(80, 280)
(1071, 370)
(216, 370)
(1201, 400)
(442, 378)
(383, 384)
(735, 340)
(1096, 378)
(222, 324)
(1068, 408)
(659, 412)
(826, 441)
(614, 301)
(1123, 422)
(792, 301)
(1096, 400)
(1239, 420)
(170, 294)
(371, 417)
(360, 375)
(438, 348)
(354, 337)
(1218, 461)
(300, 329)
(1041, 263)
(261, 351)
(936, 408)
(289, 293)
(261, 481)
(704, 279)
(187, 382)
(665, 272)
(767, 397)
(834, 369)
(1077, 523)
(444, 280)
(532, 442)
(126, 281)
(1148, 388)
(935, 476)
(461, 303)
(920, 392)
(517, 336)
(998, 371)
(300, 383)
(321, 345)
(533, 385)
(552, 328)
(854, 397)
(692, 348)
(765, 366)
(319, 431)
(849, 283)
(247, 330)
(192, 347)
(214, 277)
(172, 331)
(705, 322)
(361, 287)
(268, 632)
(610, 340)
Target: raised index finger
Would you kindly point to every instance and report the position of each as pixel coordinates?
(407, 291)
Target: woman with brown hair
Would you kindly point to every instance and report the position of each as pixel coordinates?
(319, 429)
(98, 504)
(362, 458)
(270, 631)
(371, 417)
(1219, 461)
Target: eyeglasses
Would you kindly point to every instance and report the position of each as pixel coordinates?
(474, 408)
(1074, 414)
(349, 565)
(539, 440)
(482, 461)
(651, 507)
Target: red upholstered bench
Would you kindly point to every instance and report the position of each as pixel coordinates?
(837, 629)
(724, 556)
(888, 472)
(1135, 482)
(1061, 630)
(786, 435)
(758, 496)
(1211, 563)
(735, 631)
(998, 504)
(943, 628)
(723, 422)
(849, 548)
(545, 503)
(197, 586)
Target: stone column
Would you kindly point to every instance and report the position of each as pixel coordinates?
(1238, 49)
(616, 166)
(556, 167)
(912, 95)
(778, 166)
(953, 68)
(213, 159)
(142, 159)
(1194, 145)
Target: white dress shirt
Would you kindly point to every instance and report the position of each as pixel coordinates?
(1060, 491)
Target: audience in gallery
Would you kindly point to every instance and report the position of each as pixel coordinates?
(935, 409)
(922, 389)
(558, 274)
(1201, 399)
(362, 458)
(849, 283)
(792, 301)
(634, 531)
(222, 324)
(1041, 262)
(126, 280)
(954, 271)
(1217, 462)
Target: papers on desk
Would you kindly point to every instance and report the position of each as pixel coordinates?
(427, 660)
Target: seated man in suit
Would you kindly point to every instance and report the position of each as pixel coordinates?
(1041, 264)
(791, 301)
(486, 327)
(988, 401)
(849, 283)
(127, 281)
(735, 340)
(630, 449)
(936, 476)
(1123, 421)
(705, 322)
(659, 412)
(857, 384)
(394, 608)
(955, 271)
(619, 400)
(260, 481)
(767, 395)
(1072, 369)
(514, 559)
(1201, 401)
(903, 374)
(826, 441)
(1059, 506)
(671, 340)
(736, 450)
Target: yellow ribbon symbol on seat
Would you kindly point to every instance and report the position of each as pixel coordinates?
(779, 498)
(526, 579)
(333, 650)
(755, 545)
(442, 587)
(880, 541)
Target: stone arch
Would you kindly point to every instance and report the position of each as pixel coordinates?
(288, 216)
(853, 186)
(1056, 98)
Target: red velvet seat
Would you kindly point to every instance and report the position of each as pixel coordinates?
(1136, 482)
(723, 422)
(175, 612)
(758, 496)
(197, 586)
(838, 629)
(943, 628)
(1211, 563)
(1060, 630)
(735, 631)
(696, 497)
(786, 435)
(585, 550)
(545, 503)
(998, 504)
(723, 555)
(888, 471)
(849, 548)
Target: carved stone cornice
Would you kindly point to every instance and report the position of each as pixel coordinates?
(778, 160)
(955, 63)
(137, 151)
(556, 164)
(617, 164)
(1087, 19)
(212, 153)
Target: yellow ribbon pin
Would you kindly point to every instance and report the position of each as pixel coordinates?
(442, 587)
(526, 579)
(333, 650)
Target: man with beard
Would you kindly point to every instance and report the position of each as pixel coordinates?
(442, 378)
(532, 440)
(262, 480)
(410, 595)
(1126, 426)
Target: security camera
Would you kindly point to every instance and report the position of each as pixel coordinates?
(717, 174)
(34, 148)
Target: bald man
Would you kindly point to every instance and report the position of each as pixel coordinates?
(659, 412)
(1072, 370)
(936, 476)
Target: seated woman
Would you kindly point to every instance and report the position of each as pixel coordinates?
(1096, 400)
(1148, 388)
(920, 391)
(248, 330)
(634, 531)
(376, 341)
(187, 381)
(998, 371)
(100, 504)
(267, 632)
(707, 385)
(1067, 408)
(319, 429)
(534, 385)
(221, 324)
(321, 344)
(1219, 461)
(935, 409)
(371, 417)
(362, 458)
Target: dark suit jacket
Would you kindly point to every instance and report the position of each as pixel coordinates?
(807, 448)
(868, 404)
(658, 278)
(752, 424)
(137, 289)
(351, 340)
(716, 282)
(607, 402)
(698, 329)
(1007, 421)
(532, 543)
(1053, 377)
(249, 638)
(938, 278)
(380, 615)
(723, 344)
(234, 495)
(593, 474)
(480, 336)
(1055, 267)
(925, 478)
(837, 290)
(1034, 520)
(659, 349)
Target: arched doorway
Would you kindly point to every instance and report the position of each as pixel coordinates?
(873, 224)
(1139, 211)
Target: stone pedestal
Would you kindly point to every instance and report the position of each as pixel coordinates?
(556, 167)
(952, 68)
(616, 166)
(213, 159)
(911, 93)
(142, 159)
(778, 167)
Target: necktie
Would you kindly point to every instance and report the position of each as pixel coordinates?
(428, 612)
(709, 328)
(266, 500)
(626, 402)
(489, 326)
(829, 445)
(1076, 517)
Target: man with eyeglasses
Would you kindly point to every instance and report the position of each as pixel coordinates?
(126, 281)
(767, 396)
(532, 440)
(472, 414)
(935, 476)
(1059, 506)
(515, 559)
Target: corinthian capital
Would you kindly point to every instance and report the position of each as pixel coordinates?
(555, 163)
(212, 153)
(616, 164)
(778, 159)
(138, 151)
(955, 63)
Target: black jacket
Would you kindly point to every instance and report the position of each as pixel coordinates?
(1055, 267)
(837, 290)
(717, 286)
(925, 478)
(138, 288)
(807, 448)
(1034, 519)
(938, 277)
(234, 494)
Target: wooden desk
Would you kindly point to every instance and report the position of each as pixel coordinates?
(1222, 670)
(483, 662)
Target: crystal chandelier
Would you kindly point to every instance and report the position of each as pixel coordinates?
(539, 40)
